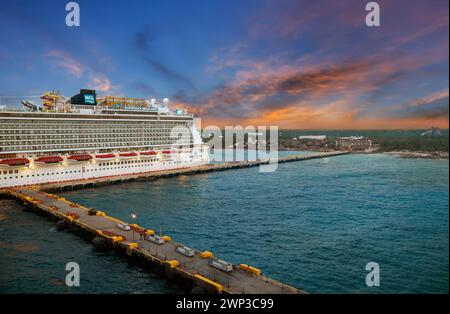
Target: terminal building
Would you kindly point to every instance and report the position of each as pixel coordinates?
(353, 143)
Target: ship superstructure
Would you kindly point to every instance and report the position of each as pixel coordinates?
(88, 137)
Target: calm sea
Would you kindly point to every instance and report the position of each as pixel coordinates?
(312, 224)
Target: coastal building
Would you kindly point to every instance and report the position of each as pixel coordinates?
(353, 143)
(433, 132)
(313, 137)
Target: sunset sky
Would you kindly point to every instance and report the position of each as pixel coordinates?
(296, 64)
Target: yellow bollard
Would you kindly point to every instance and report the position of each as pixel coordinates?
(173, 263)
(206, 254)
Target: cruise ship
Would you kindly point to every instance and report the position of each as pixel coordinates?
(88, 137)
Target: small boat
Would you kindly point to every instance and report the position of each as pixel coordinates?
(127, 155)
(148, 154)
(169, 152)
(49, 160)
(80, 158)
(105, 157)
(14, 162)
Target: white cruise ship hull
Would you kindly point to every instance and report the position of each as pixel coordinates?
(38, 174)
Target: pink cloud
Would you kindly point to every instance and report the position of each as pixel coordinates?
(66, 62)
(100, 83)
(70, 65)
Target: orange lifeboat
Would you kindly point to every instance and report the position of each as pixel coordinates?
(14, 162)
(127, 155)
(169, 152)
(49, 160)
(105, 157)
(80, 158)
(148, 154)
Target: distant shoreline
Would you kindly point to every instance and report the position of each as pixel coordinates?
(419, 155)
(401, 154)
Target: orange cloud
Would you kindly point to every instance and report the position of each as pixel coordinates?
(311, 119)
(319, 90)
(301, 95)
(338, 114)
(102, 83)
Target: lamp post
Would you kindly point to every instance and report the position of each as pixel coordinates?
(133, 216)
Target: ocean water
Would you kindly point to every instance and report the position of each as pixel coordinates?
(312, 224)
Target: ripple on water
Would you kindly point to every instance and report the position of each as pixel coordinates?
(313, 224)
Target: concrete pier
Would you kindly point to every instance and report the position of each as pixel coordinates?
(195, 269)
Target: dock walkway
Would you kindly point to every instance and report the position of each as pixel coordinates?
(194, 269)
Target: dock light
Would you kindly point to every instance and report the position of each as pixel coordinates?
(133, 216)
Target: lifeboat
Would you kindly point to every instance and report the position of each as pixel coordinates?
(80, 158)
(105, 157)
(148, 154)
(127, 155)
(169, 152)
(14, 162)
(49, 160)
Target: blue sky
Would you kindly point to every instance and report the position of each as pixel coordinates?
(299, 64)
